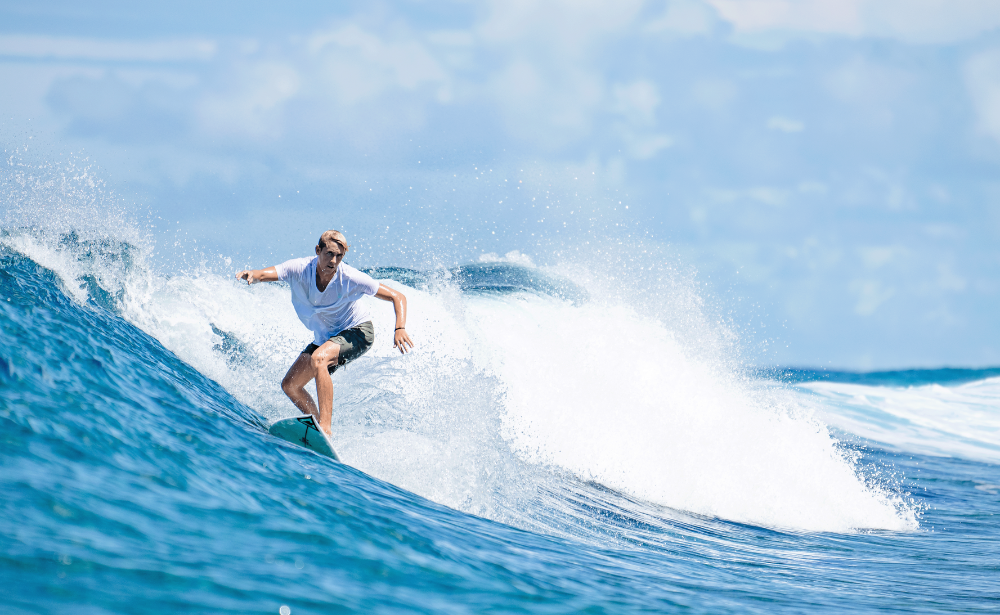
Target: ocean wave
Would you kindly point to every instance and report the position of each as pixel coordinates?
(960, 420)
(889, 378)
(511, 389)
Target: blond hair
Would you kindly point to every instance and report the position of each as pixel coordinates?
(333, 236)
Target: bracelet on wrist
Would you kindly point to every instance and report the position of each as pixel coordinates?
(398, 328)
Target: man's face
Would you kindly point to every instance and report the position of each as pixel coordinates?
(329, 257)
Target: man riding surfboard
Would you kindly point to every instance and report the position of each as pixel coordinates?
(325, 295)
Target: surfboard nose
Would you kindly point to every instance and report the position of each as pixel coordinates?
(304, 431)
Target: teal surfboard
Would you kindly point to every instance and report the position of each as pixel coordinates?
(304, 431)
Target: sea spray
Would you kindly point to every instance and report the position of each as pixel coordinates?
(508, 392)
(624, 406)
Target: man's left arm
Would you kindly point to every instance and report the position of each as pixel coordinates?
(400, 338)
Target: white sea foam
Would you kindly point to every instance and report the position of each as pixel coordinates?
(960, 421)
(54, 258)
(613, 397)
(427, 422)
(501, 386)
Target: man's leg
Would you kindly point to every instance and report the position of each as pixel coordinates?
(295, 381)
(322, 358)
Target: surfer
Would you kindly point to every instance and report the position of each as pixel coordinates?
(325, 295)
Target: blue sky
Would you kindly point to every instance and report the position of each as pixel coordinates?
(831, 162)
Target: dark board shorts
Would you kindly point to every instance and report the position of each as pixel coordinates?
(353, 343)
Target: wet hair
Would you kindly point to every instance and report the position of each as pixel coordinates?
(335, 237)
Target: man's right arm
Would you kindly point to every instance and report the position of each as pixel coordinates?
(258, 275)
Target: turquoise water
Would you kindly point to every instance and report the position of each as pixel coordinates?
(138, 475)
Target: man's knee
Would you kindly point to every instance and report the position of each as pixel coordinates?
(288, 386)
(324, 357)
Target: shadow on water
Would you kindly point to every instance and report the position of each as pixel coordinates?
(230, 347)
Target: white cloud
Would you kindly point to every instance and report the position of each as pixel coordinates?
(636, 101)
(406, 62)
(982, 78)
(715, 94)
(548, 109)
(28, 85)
(866, 83)
(813, 187)
(949, 281)
(253, 105)
(784, 124)
(451, 38)
(765, 195)
(871, 295)
(68, 48)
(645, 146)
(775, 197)
(568, 26)
(822, 16)
(875, 90)
(874, 257)
(538, 65)
(930, 21)
(912, 21)
(686, 18)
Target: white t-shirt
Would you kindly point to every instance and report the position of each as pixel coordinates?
(335, 309)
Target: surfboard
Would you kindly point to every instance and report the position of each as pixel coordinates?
(304, 431)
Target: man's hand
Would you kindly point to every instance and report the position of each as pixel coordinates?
(246, 274)
(258, 275)
(401, 340)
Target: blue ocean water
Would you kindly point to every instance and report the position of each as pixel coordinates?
(499, 468)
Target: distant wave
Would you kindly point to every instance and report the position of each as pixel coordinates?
(959, 420)
(894, 378)
(489, 277)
